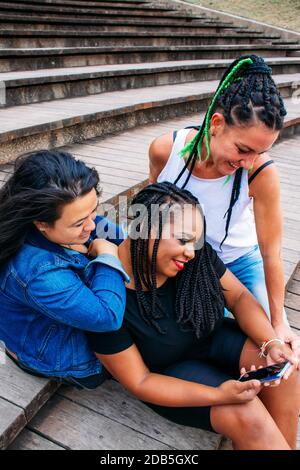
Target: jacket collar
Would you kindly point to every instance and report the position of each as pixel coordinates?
(35, 238)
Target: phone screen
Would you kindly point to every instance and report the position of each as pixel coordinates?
(268, 373)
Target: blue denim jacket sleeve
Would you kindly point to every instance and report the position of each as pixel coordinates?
(112, 261)
(108, 230)
(60, 294)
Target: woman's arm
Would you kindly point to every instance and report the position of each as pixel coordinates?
(265, 190)
(159, 152)
(248, 312)
(60, 294)
(130, 370)
(252, 318)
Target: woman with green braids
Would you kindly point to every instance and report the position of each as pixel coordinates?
(225, 164)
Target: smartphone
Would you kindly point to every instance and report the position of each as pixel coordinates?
(267, 374)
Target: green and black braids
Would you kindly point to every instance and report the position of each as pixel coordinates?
(199, 302)
(246, 93)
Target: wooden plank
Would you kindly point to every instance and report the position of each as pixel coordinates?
(293, 317)
(26, 391)
(126, 161)
(292, 233)
(291, 242)
(297, 275)
(76, 427)
(288, 270)
(294, 287)
(12, 421)
(290, 255)
(113, 401)
(112, 147)
(28, 440)
(292, 301)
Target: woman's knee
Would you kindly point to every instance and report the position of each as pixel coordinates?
(230, 420)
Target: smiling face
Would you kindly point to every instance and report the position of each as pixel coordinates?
(181, 236)
(75, 223)
(234, 147)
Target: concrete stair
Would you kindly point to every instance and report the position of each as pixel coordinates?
(66, 121)
(74, 71)
(39, 58)
(61, 38)
(27, 87)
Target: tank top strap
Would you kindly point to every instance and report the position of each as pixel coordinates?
(175, 162)
(179, 141)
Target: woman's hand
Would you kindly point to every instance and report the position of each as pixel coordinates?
(287, 335)
(234, 392)
(100, 246)
(281, 353)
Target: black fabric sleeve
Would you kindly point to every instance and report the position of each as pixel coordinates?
(218, 264)
(110, 343)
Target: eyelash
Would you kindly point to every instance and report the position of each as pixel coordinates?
(183, 241)
(242, 151)
(80, 225)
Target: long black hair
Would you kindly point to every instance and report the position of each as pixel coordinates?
(41, 184)
(246, 94)
(199, 303)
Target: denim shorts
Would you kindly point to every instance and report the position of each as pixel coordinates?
(249, 270)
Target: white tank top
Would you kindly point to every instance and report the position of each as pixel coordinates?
(214, 196)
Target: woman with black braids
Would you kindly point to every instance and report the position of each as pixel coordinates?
(225, 164)
(175, 350)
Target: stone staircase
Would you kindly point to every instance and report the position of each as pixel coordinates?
(74, 73)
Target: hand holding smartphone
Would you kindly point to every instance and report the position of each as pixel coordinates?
(267, 374)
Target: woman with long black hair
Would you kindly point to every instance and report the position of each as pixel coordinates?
(175, 350)
(57, 278)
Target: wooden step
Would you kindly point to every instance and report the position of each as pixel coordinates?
(52, 124)
(21, 396)
(68, 420)
(27, 87)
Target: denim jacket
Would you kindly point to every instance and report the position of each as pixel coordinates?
(49, 295)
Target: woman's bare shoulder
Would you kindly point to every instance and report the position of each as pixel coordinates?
(160, 148)
(159, 152)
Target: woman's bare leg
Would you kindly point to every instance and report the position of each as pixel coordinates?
(283, 401)
(249, 426)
